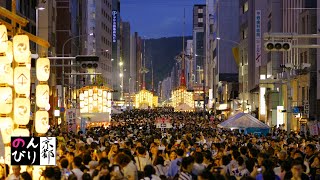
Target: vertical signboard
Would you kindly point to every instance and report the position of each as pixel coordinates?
(71, 120)
(258, 38)
(114, 26)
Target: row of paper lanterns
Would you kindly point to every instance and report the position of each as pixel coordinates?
(97, 100)
(15, 108)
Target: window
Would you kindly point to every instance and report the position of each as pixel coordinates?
(245, 7)
(200, 10)
(200, 20)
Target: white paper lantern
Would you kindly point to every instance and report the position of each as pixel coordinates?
(86, 94)
(9, 53)
(90, 92)
(21, 111)
(43, 69)
(42, 121)
(81, 96)
(5, 100)
(100, 100)
(109, 96)
(6, 125)
(99, 92)
(20, 132)
(95, 96)
(3, 39)
(6, 74)
(22, 80)
(42, 95)
(21, 48)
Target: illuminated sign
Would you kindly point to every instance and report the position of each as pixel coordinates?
(114, 26)
(258, 38)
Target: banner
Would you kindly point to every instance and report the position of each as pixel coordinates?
(33, 151)
(163, 122)
(313, 127)
(258, 38)
(71, 120)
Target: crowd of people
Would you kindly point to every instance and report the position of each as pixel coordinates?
(133, 148)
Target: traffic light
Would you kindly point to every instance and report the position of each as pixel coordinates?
(277, 46)
(88, 62)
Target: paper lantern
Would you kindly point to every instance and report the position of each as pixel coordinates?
(20, 132)
(85, 94)
(90, 92)
(100, 108)
(5, 100)
(105, 94)
(42, 95)
(81, 104)
(90, 100)
(3, 39)
(81, 96)
(43, 69)
(21, 111)
(21, 48)
(109, 96)
(7, 151)
(42, 122)
(22, 80)
(6, 125)
(99, 92)
(6, 74)
(95, 96)
(100, 100)
(9, 53)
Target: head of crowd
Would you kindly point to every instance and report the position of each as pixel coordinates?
(133, 148)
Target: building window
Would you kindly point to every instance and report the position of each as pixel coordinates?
(200, 20)
(245, 7)
(200, 10)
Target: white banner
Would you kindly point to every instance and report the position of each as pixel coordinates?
(258, 38)
(48, 151)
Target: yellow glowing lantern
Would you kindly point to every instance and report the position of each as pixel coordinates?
(109, 96)
(6, 74)
(42, 95)
(90, 107)
(5, 100)
(105, 93)
(21, 48)
(100, 108)
(3, 39)
(21, 111)
(81, 96)
(95, 96)
(42, 122)
(90, 100)
(20, 132)
(22, 80)
(99, 92)
(6, 125)
(90, 92)
(85, 94)
(100, 100)
(81, 104)
(8, 57)
(43, 69)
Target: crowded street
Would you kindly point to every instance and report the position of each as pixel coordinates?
(133, 148)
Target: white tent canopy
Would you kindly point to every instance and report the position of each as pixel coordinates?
(184, 107)
(243, 120)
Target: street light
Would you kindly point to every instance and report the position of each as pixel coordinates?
(62, 78)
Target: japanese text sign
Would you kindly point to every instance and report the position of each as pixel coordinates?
(33, 151)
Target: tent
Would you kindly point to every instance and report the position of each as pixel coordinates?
(184, 107)
(246, 122)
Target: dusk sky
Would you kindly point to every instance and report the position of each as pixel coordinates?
(158, 18)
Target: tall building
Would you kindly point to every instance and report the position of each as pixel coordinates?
(190, 76)
(139, 61)
(300, 17)
(133, 65)
(97, 19)
(199, 20)
(252, 56)
(222, 35)
(116, 46)
(125, 54)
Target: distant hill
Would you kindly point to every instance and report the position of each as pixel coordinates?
(162, 51)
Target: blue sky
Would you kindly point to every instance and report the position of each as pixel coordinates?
(158, 18)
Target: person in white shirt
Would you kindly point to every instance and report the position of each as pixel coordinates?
(159, 167)
(77, 161)
(16, 173)
(141, 160)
